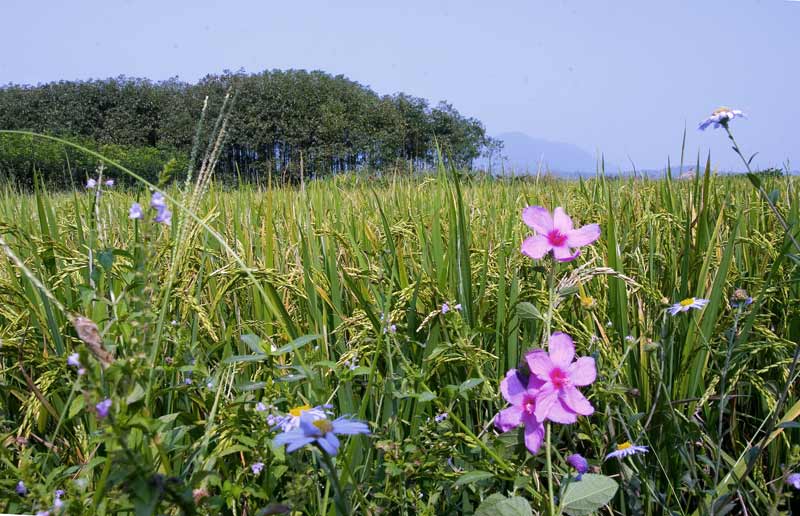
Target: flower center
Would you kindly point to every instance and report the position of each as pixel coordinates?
(556, 238)
(687, 302)
(324, 425)
(624, 446)
(299, 410)
(558, 378)
(719, 110)
(529, 404)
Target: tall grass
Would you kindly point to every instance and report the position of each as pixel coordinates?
(322, 272)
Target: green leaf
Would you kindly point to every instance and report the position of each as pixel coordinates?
(299, 342)
(469, 384)
(135, 395)
(499, 505)
(235, 359)
(426, 396)
(471, 477)
(253, 342)
(526, 310)
(76, 406)
(589, 494)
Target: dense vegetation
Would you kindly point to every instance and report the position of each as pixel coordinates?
(280, 121)
(335, 292)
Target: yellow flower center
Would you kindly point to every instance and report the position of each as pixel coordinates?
(720, 110)
(299, 410)
(688, 301)
(324, 425)
(624, 446)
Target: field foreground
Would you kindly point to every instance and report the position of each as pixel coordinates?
(402, 303)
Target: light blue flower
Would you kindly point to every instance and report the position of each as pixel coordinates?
(794, 480)
(164, 216)
(91, 183)
(625, 449)
(135, 212)
(21, 489)
(321, 432)
(720, 118)
(157, 201)
(256, 467)
(102, 408)
(687, 304)
(445, 308)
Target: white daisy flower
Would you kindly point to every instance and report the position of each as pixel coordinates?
(292, 420)
(687, 304)
(625, 449)
(720, 118)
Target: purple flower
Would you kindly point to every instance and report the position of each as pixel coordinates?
(720, 118)
(440, 417)
(74, 360)
(445, 308)
(260, 407)
(522, 410)
(109, 182)
(555, 233)
(157, 201)
(320, 431)
(580, 464)
(458, 307)
(163, 216)
(91, 183)
(257, 467)
(43, 513)
(626, 449)
(559, 400)
(135, 212)
(103, 408)
(57, 503)
(794, 480)
(21, 489)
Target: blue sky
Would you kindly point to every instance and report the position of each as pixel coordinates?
(619, 77)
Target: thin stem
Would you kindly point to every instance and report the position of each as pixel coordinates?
(550, 497)
(722, 393)
(761, 190)
(342, 505)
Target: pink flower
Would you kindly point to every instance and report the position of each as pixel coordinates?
(555, 233)
(558, 399)
(522, 410)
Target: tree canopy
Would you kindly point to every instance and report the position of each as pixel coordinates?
(279, 120)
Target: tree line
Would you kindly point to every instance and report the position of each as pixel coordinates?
(282, 122)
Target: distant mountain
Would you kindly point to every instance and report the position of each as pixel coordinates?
(525, 154)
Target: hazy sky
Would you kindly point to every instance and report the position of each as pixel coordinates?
(622, 77)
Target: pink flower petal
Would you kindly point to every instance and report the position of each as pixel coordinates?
(544, 403)
(565, 254)
(512, 388)
(538, 219)
(583, 236)
(540, 364)
(508, 418)
(574, 400)
(534, 434)
(562, 350)
(561, 221)
(560, 413)
(582, 372)
(535, 246)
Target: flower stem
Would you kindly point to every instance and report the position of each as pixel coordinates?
(550, 497)
(342, 506)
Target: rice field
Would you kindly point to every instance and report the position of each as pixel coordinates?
(149, 368)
